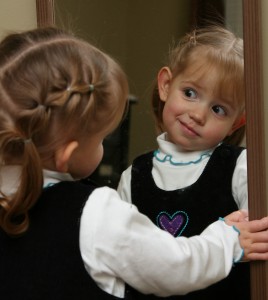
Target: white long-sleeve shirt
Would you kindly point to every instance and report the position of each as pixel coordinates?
(118, 244)
(170, 177)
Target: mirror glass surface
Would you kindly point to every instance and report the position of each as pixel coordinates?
(138, 34)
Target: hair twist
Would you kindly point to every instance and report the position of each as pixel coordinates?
(192, 39)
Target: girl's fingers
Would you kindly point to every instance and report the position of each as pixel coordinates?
(259, 248)
(259, 225)
(257, 256)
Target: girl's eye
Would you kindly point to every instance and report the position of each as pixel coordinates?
(190, 93)
(219, 110)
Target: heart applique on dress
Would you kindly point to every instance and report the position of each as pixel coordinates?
(174, 224)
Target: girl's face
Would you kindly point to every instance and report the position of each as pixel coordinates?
(195, 116)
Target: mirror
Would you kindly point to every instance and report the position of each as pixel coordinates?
(252, 31)
(138, 34)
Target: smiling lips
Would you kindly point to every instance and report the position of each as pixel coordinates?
(188, 130)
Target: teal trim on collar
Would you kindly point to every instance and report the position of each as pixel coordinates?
(169, 159)
(48, 185)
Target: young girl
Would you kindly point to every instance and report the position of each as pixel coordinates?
(195, 176)
(60, 97)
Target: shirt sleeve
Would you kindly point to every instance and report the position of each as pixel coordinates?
(118, 244)
(240, 181)
(124, 186)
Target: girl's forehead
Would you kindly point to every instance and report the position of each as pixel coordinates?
(217, 75)
(196, 70)
(204, 76)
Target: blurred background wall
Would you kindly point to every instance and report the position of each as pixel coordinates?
(17, 15)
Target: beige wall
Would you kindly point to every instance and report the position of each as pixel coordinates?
(17, 15)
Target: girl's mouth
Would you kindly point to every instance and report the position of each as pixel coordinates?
(188, 130)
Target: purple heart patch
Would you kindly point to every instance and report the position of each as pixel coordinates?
(174, 224)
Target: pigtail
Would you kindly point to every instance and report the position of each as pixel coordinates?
(192, 38)
(14, 208)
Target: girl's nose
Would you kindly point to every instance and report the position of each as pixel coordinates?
(198, 115)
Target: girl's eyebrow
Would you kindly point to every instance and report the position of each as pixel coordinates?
(227, 100)
(194, 83)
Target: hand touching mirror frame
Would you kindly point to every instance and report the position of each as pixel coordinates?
(255, 117)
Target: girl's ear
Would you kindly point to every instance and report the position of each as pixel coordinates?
(241, 121)
(163, 80)
(63, 155)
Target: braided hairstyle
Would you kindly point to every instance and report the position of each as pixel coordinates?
(218, 48)
(54, 87)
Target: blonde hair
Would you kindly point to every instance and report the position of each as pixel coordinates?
(218, 48)
(53, 87)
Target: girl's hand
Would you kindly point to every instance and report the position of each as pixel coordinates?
(253, 235)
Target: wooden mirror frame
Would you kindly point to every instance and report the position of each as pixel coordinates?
(252, 30)
(45, 13)
(255, 133)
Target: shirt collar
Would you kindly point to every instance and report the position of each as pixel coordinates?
(168, 148)
(53, 177)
